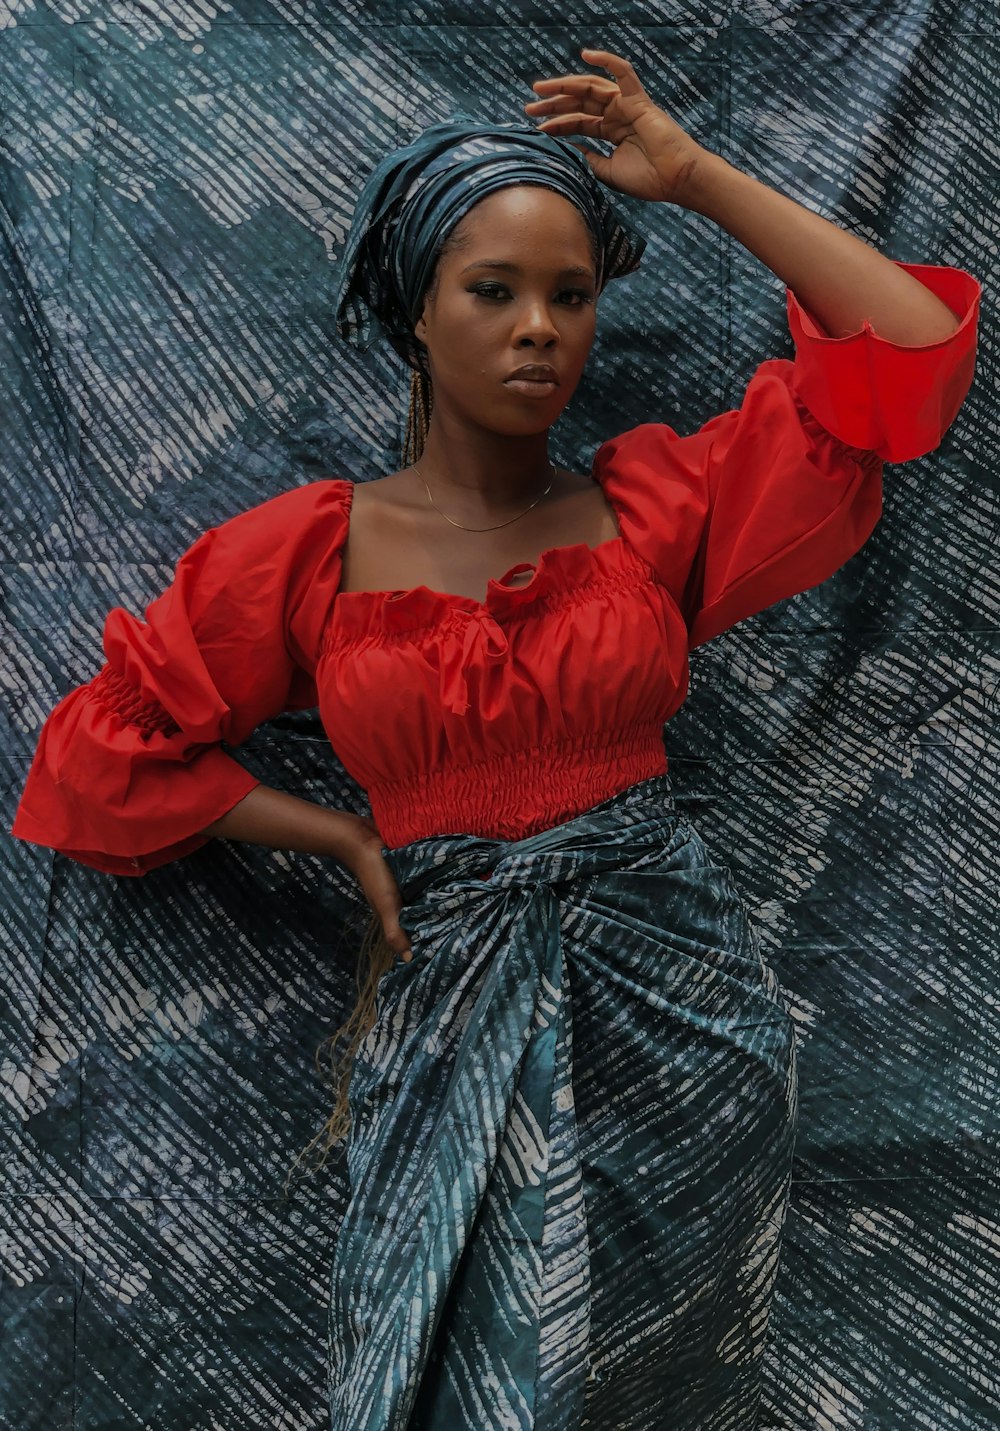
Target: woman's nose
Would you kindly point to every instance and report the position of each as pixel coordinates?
(535, 321)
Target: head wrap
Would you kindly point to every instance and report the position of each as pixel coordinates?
(416, 195)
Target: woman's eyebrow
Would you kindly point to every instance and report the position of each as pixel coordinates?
(575, 270)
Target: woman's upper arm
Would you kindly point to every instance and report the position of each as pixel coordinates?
(770, 498)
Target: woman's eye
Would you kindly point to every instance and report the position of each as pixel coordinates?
(495, 290)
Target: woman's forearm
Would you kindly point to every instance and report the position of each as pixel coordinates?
(284, 822)
(837, 277)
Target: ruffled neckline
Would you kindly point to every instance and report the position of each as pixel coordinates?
(558, 569)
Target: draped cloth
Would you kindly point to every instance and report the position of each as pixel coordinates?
(416, 195)
(573, 1127)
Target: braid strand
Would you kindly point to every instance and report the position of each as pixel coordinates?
(418, 421)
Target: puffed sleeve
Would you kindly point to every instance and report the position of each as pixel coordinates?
(129, 768)
(771, 498)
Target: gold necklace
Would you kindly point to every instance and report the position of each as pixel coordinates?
(499, 524)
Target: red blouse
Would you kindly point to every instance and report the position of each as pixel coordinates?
(501, 717)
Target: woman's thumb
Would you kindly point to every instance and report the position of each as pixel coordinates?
(397, 939)
(597, 162)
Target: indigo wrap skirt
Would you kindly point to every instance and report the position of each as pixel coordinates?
(573, 1128)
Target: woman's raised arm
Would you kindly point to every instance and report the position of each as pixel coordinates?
(845, 283)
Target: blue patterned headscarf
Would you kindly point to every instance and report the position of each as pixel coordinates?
(416, 195)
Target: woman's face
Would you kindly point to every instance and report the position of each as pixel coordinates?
(480, 322)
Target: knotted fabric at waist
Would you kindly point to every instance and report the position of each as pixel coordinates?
(593, 1017)
(631, 825)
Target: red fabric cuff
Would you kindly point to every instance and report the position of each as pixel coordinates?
(888, 397)
(160, 820)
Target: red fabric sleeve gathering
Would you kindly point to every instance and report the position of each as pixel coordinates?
(129, 768)
(771, 498)
(887, 397)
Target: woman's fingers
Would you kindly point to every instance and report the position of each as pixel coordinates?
(628, 81)
(397, 939)
(395, 935)
(625, 78)
(389, 908)
(586, 86)
(560, 103)
(378, 883)
(653, 156)
(589, 125)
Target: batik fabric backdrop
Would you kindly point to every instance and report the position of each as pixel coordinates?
(176, 181)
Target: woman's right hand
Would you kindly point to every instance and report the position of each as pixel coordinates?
(653, 157)
(363, 857)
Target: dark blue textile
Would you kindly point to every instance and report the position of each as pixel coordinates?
(574, 1121)
(177, 187)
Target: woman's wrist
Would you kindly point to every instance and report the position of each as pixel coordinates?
(839, 279)
(285, 822)
(703, 184)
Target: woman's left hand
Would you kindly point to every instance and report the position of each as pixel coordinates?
(654, 157)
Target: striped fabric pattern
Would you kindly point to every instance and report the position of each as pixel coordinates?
(176, 183)
(573, 1129)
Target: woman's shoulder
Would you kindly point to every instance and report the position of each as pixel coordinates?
(287, 527)
(289, 508)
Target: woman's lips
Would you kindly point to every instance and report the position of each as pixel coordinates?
(531, 387)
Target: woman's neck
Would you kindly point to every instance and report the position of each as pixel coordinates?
(490, 473)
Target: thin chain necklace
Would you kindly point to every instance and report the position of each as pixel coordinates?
(499, 524)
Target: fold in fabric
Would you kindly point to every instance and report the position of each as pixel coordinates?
(130, 766)
(896, 399)
(573, 1127)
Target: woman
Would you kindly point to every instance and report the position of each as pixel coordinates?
(573, 1105)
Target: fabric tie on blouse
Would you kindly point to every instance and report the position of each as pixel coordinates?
(482, 640)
